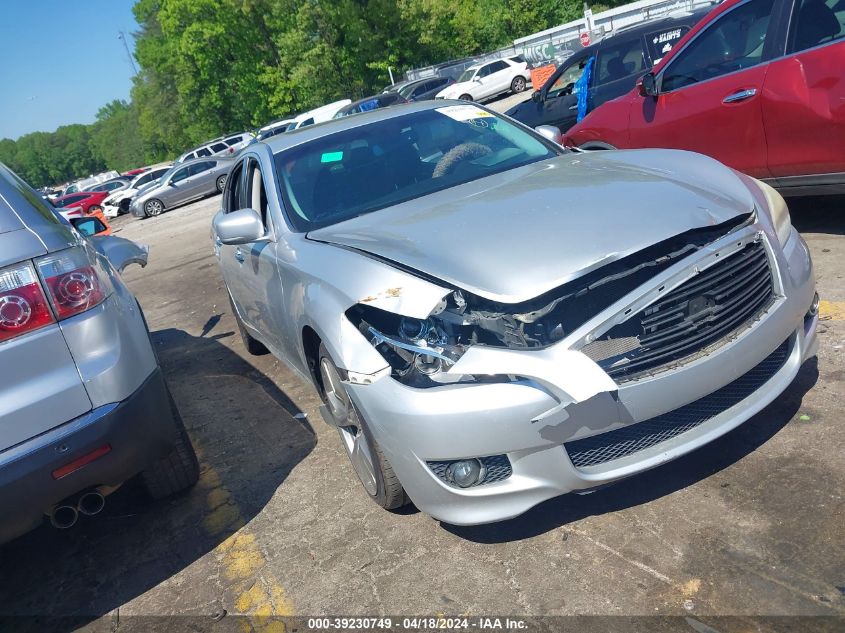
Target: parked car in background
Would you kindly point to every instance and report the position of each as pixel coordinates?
(398, 85)
(489, 79)
(111, 186)
(757, 84)
(182, 183)
(117, 203)
(618, 60)
(374, 102)
(86, 407)
(318, 115)
(276, 127)
(473, 343)
(218, 147)
(135, 172)
(84, 200)
(83, 184)
(425, 89)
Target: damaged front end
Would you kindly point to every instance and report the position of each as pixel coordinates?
(422, 352)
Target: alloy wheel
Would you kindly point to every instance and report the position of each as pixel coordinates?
(153, 207)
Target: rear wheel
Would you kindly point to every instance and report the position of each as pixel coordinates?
(465, 97)
(179, 470)
(373, 470)
(518, 84)
(221, 183)
(153, 207)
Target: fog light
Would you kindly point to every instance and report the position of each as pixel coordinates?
(814, 306)
(466, 472)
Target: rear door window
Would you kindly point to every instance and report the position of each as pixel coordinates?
(815, 23)
(202, 153)
(219, 147)
(198, 168)
(618, 61)
(661, 42)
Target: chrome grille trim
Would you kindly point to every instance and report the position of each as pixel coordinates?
(694, 317)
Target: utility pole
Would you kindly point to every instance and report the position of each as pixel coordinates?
(122, 38)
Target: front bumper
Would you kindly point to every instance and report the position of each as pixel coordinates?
(140, 430)
(530, 423)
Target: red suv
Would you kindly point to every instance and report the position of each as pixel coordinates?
(757, 84)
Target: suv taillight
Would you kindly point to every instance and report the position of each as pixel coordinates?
(72, 283)
(23, 306)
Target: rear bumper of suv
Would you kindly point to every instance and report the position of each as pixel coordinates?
(139, 431)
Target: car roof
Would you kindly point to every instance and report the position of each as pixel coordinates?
(282, 142)
(665, 21)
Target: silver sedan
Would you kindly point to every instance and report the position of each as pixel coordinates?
(183, 183)
(492, 320)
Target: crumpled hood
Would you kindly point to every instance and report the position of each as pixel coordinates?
(513, 236)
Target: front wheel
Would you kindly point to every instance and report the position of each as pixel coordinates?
(153, 207)
(465, 97)
(373, 470)
(518, 84)
(221, 183)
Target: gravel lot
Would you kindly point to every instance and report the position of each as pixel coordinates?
(752, 524)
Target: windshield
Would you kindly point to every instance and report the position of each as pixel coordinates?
(387, 162)
(466, 75)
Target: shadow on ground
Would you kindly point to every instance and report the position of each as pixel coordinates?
(248, 435)
(656, 483)
(818, 214)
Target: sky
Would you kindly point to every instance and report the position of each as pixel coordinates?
(61, 61)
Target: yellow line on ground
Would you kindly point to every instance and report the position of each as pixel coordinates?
(256, 590)
(834, 310)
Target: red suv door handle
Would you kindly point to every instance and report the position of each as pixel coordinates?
(741, 95)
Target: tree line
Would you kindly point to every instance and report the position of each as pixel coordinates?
(210, 67)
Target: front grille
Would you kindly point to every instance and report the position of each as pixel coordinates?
(706, 309)
(606, 447)
(497, 468)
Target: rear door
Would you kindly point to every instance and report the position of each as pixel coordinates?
(804, 94)
(501, 74)
(200, 182)
(619, 64)
(710, 92)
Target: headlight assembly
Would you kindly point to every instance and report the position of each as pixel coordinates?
(778, 211)
(420, 351)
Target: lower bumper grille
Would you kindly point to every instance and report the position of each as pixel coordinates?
(605, 447)
(496, 468)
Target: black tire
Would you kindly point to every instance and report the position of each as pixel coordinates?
(153, 207)
(124, 206)
(220, 183)
(253, 346)
(178, 471)
(465, 97)
(389, 494)
(518, 84)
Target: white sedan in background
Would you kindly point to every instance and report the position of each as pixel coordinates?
(118, 202)
(489, 79)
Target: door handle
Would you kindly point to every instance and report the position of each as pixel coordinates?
(573, 107)
(741, 95)
(239, 255)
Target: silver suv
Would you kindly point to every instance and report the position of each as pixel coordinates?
(83, 402)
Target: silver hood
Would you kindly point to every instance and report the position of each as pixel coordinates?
(516, 235)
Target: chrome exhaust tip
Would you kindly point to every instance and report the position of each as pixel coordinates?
(91, 503)
(63, 517)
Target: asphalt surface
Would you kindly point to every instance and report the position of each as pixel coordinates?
(752, 524)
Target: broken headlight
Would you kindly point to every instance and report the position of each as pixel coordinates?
(420, 351)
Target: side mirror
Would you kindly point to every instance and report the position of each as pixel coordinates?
(89, 226)
(238, 227)
(647, 85)
(537, 97)
(550, 132)
(171, 183)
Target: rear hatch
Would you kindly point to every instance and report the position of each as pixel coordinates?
(40, 387)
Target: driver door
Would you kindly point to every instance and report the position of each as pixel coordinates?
(559, 105)
(709, 97)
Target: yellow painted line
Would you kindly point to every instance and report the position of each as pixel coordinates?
(257, 592)
(834, 310)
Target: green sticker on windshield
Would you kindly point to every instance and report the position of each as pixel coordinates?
(331, 157)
